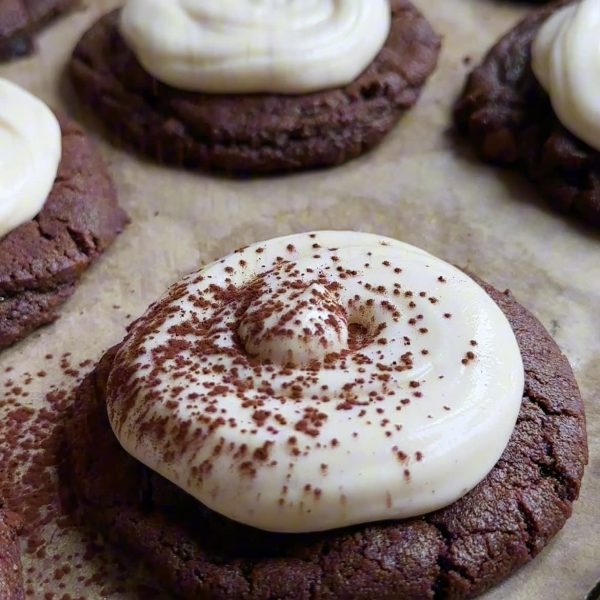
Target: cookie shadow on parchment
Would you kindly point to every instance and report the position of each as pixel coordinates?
(520, 189)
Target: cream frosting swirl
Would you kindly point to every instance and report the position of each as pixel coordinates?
(320, 380)
(247, 46)
(566, 62)
(30, 152)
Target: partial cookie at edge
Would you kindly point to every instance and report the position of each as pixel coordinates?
(42, 260)
(21, 19)
(510, 121)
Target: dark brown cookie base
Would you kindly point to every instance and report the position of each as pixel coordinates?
(42, 260)
(509, 120)
(21, 19)
(259, 133)
(457, 552)
(11, 577)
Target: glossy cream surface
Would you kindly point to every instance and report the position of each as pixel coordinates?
(247, 46)
(566, 62)
(320, 380)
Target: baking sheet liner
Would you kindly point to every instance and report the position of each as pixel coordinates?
(420, 186)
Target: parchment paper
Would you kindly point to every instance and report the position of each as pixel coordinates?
(420, 186)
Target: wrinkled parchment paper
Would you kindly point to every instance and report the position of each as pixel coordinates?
(420, 186)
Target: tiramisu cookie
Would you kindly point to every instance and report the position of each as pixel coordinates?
(534, 103)
(58, 211)
(21, 19)
(255, 87)
(330, 415)
(11, 580)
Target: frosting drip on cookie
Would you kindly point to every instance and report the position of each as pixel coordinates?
(566, 62)
(30, 152)
(320, 380)
(248, 46)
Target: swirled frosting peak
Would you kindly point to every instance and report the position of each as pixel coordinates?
(320, 380)
(566, 62)
(293, 322)
(246, 46)
(30, 152)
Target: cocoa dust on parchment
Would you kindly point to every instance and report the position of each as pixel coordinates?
(32, 455)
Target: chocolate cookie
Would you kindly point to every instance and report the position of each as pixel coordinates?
(42, 260)
(510, 120)
(20, 19)
(457, 552)
(259, 133)
(11, 580)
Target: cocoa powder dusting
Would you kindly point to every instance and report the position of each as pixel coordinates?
(35, 414)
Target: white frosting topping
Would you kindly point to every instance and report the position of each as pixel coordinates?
(566, 62)
(30, 151)
(323, 329)
(320, 380)
(246, 46)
